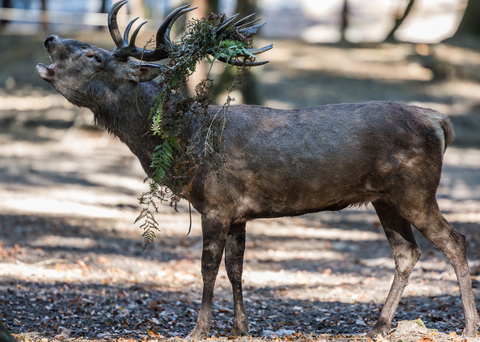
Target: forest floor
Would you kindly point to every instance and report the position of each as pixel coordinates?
(71, 260)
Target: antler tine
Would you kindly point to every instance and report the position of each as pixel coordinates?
(244, 19)
(169, 28)
(260, 50)
(112, 23)
(127, 30)
(226, 23)
(236, 62)
(163, 35)
(134, 35)
(249, 23)
(127, 49)
(250, 31)
(167, 25)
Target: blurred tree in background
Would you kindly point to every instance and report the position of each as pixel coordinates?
(398, 21)
(212, 6)
(344, 20)
(103, 8)
(470, 24)
(5, 4)
(9, 4)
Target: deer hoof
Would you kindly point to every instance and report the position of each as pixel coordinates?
(378, 332)
(197, 334)
(237, 331)
(470, 329)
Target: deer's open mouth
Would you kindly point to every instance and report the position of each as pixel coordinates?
(46, 72)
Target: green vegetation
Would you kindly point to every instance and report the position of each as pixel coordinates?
(178, 158)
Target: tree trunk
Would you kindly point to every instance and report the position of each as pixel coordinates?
(470, 26)
(103, 9)
(399, 21)
(344, 20)
(250, 85)
(201, 68)
(5, 4)
(212, 6)
(44, 24)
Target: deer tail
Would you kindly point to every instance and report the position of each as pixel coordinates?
(448, 132)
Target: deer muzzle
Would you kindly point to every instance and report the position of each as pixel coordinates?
(49, 39)
(46, 72)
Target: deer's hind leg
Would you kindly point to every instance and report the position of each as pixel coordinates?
(406, 254)
(428, 220)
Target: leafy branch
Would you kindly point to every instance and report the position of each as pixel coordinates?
(177, 159)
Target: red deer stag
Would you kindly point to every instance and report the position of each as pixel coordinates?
(279, 163)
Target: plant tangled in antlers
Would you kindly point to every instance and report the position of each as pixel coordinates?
(177, 159)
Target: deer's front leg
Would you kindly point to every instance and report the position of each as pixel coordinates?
(234, 251)
(214, 237)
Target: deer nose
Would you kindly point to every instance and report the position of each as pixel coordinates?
(49, 40)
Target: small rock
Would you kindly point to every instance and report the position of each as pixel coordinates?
(267, 333)
(410, 330)
(65, 333)
(360, 321)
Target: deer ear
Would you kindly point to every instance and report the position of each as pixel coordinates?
(144, 72)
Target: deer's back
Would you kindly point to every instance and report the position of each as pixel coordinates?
(291, 162)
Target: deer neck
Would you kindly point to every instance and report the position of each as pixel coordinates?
(124, 112)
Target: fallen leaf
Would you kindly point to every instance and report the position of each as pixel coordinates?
(82, 264)
(426, 339)
(153, 305)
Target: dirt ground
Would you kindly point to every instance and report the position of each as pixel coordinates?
(71, 260)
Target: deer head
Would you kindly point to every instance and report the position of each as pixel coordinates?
(88, 76)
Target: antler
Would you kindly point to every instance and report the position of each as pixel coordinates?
(247, 32)
(127, 49)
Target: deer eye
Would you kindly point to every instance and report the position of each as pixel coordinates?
(96, 57)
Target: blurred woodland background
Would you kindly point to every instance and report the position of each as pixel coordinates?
(71, 259)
